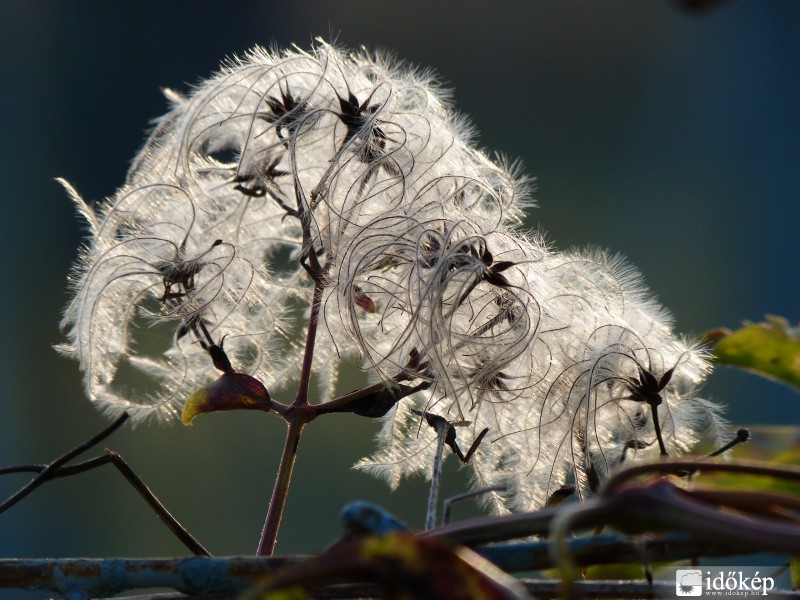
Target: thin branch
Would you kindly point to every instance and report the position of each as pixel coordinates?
(155, 504)
(657, 427)
(269, 534)
(332, 405)
(742, 436)
(689, 466)
(496, 528)
(58, 469)
(301, 399)
(448, 504)
(436, 477)
(49, 471)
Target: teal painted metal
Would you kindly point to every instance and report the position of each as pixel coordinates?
(79, 579)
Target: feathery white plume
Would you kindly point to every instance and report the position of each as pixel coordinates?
(565, 357)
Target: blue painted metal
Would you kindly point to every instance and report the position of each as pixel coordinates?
(79, 579)
(366, 517)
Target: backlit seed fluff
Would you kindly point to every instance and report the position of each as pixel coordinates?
(429, 280)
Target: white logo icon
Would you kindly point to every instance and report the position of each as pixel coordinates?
(689, 583)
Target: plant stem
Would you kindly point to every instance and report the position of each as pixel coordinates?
(433, 497)
(269, 535)
(679, 466)
(657, 427)
(297, 415)
(301, 399)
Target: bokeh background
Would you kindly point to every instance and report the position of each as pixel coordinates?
(670, 136)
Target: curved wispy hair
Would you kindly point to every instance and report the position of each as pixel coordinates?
(465, 310)
(610, 347)
(152, 273)
(354, 169)
(575, 404)
(278, 153)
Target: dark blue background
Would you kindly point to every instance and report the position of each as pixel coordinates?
(672, 138)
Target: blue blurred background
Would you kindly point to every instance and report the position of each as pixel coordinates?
(671, 137)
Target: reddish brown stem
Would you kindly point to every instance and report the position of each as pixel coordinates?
(301, 399)
(297, 415)
(269, 535)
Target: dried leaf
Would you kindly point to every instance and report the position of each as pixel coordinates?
(404, 566)
(232, 391)
(374, 405)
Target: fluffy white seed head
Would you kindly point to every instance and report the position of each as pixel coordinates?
(363, 164)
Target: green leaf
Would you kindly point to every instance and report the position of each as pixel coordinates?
(771, 349)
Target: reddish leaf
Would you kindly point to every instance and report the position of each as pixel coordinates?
(404, 566)
(232, 391)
